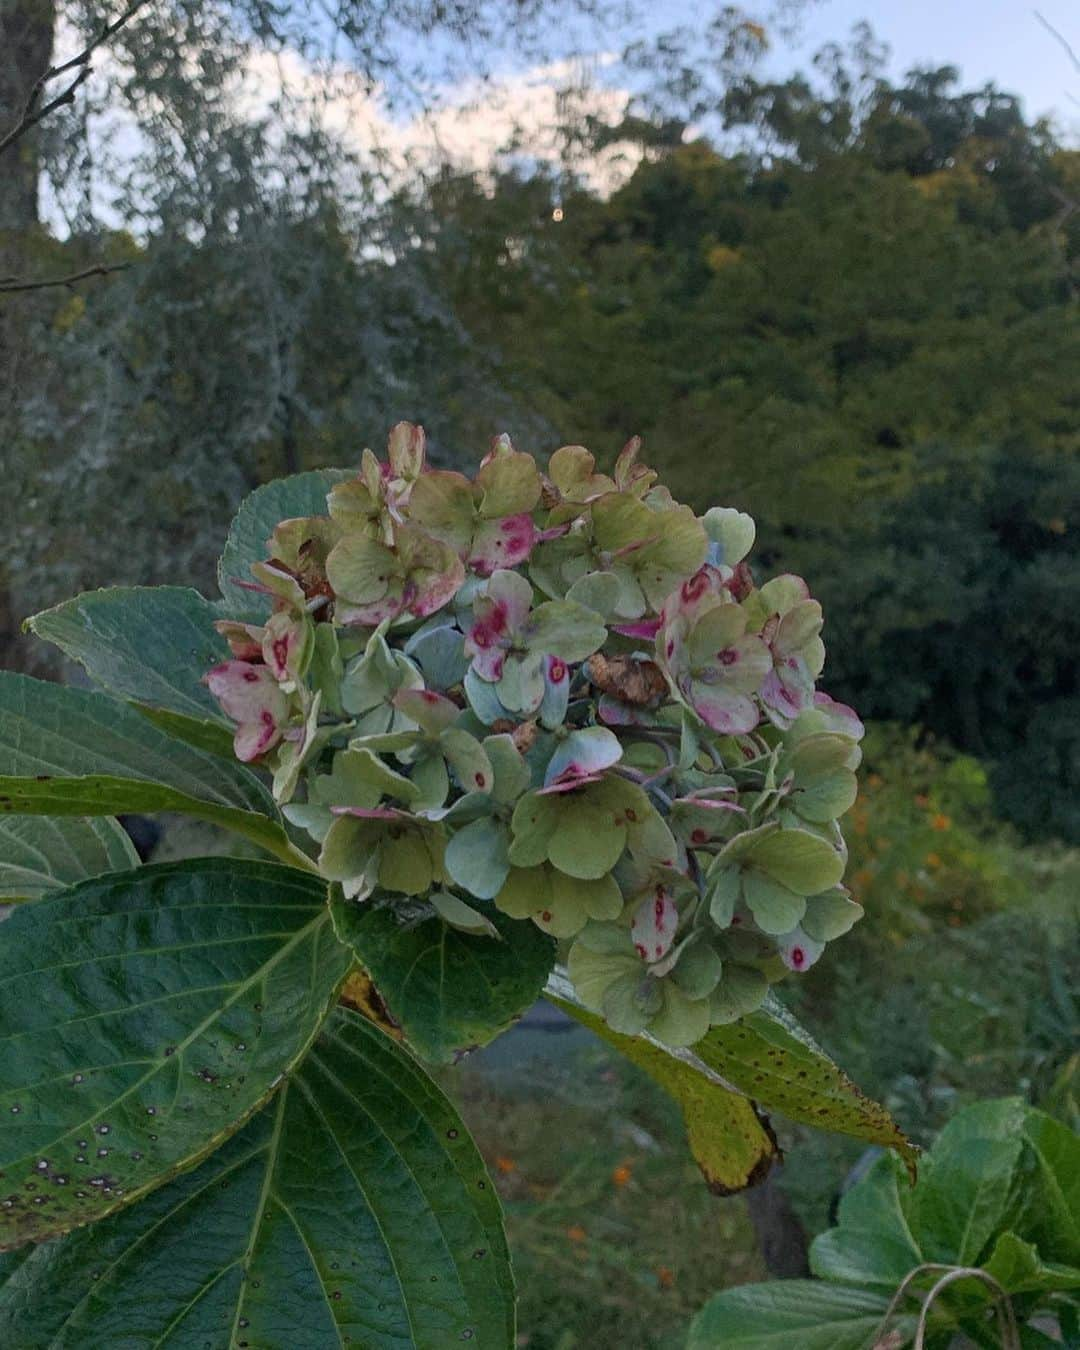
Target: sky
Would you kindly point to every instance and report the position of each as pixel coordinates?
(999, 40)
(988, 40)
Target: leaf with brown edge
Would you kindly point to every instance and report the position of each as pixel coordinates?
(730, 1139)
(769, 1056)
(359, 993)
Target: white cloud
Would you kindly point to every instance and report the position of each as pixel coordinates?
(480, 125)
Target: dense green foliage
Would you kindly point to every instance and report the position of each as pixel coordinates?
(991, 1229)
(873, 333)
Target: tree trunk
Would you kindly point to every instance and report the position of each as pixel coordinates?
(781, 1237)
(26, 44)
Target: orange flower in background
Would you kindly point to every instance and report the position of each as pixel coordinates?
(933, 860)
(621, 1175)
(940, 822)
(576, 1233)
(874, 780)
(505, 1165)
(665, 1277)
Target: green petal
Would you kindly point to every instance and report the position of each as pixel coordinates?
(431, 781)
(361, 570)
(511, 773)
(476, 857)
(697, 971)
(592, 972)
(630, 1001)
(681, 1020)
(587, 843)
(526, 891)
(441, 503)
(468, 760)
(350, 855)
(775, 908)
(406, 863)
(460, 915)
(830, 915)
(565, 629)
(360, 778)
(798, 860)
(521, 688)
(510, 483)
(733, 531)
(598, 591)
(534, 822)
(725, 884)
(741, 991)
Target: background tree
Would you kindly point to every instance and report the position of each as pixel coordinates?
(863, 330)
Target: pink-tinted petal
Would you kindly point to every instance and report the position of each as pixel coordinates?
(430, 593)
(641, 628)
(614, 713)
(590, 750)
(571, 778)
(552, 532)
(512, 592)
(405, 450)
(842, 718)
(556, 692)
(787, 691)
(798, 951)
(253, 739)
(653, 926)
(244, 639)
(430, 711)
(695, 594)
(281, 646)
(488, 663)
(502, 543)
(370, 616)
(724, 711)
(247, 692)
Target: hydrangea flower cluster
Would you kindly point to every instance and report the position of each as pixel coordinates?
(561, 693)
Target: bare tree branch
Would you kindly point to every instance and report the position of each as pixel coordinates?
(35, 110)
(9, 284)
(1061, 39)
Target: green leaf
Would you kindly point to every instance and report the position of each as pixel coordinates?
(450, 991)
(965, 1194)
(145, 644)
(771, 1058)
(69, 752)
(40, 853)
(353, 1209)
(1019, 1269)
(144, 1017)
(302, 494)
(792, 1315)
(872, 1243)
(980, 1193)
(959, 1206)
(731, 1143)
